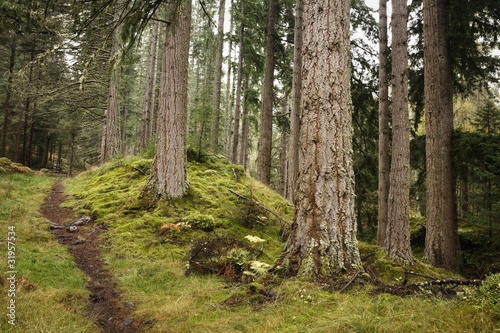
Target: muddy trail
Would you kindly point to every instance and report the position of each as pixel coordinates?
(105, 306)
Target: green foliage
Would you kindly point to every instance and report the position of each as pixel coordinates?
(202, 221)
(489, 292)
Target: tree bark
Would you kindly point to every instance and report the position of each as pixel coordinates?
(244, 127)
(383, 136)
(6, 104)
(234, 155)
(293, 165)
(284, 151)
(111, 138)
(168, 173)
(398, 222)
(441, 228)
(147, 110)
(214, 140)
(227, 112)
(323, 234)
(266, 115)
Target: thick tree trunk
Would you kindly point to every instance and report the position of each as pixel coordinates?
(147, 110)
(383, 127)
(398, 223)
(323, 235)
(441, 228)
(6, 103)
(125, 124)
(244, 126)
(227, 113)
(111, 138)
(214, 140)
(21, 126)
(266, 115)
(236, 130)
(168, 173)
(293, 165)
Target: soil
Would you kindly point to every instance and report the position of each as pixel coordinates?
(105, 306)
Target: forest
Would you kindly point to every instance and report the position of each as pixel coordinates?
(245, 165)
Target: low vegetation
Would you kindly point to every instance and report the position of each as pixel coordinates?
(148, 244)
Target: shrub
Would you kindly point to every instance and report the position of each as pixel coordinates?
(202, 221)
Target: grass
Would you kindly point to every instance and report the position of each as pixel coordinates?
(149, 267)
(51, 294)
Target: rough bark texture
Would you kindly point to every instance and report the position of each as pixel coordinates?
(293, 165)
(147, 110)
(6, 103)
(398, 223)
(266, 114)
(323, 234)
(234, 154)
(440, 240)
(227, 112)
(168, 173)
(244, 127)
(383, 126)
(111, 138)
(214, 139)
(284, 150)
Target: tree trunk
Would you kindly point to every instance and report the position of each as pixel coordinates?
(228, 113)
(125, 123)
(111, 138)
(266, 115)
(214, 140)
(397, 243)
(6, 103)
(168, 173)
(147, 110)
(383, 126)
(236, 130)
(293, 165)
(72, 152)
(244, 127)
(323, 234)
(440, 240)
(284, 151)
(30, 140)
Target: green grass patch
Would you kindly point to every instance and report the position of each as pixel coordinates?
(51, 294)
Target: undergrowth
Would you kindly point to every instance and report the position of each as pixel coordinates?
(148, 244)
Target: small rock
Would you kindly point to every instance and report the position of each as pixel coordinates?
(111, 319)
(73, 229)
(130, 305)
(82, 221)
(126, 322)
(55, 227)
(78, 242)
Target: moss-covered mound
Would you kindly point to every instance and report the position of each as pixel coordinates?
(7, 166)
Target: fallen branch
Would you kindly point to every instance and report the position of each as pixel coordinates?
(261, 206)
(421, 275)
(137, 169)
(350, 281)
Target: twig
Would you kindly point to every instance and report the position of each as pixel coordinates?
(176, 210)
(367, 256)
(421, 275)
(264, 208)
(137, 169)
(350, 281)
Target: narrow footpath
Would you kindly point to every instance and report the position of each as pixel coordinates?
(105, 306)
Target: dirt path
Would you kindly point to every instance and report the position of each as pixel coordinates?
(105, 306)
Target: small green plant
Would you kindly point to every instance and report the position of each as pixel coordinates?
(202, 221)
(490, 293)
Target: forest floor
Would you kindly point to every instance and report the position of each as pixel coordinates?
(104, 305)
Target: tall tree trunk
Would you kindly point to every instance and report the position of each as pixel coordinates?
(30, 140)
(203, 106)
(111, 138)
(440, 240)
(214, 140)
(147, 110)
(234, 155)
(125, 123)
(284, 150)
(227, 112)
(266, 115)
(383, 127)
(6, 104)
(72, 152)
(323, 235)
(293, 165)
(168, 173)
(22, 125)
(244, 126)
(398, 222)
